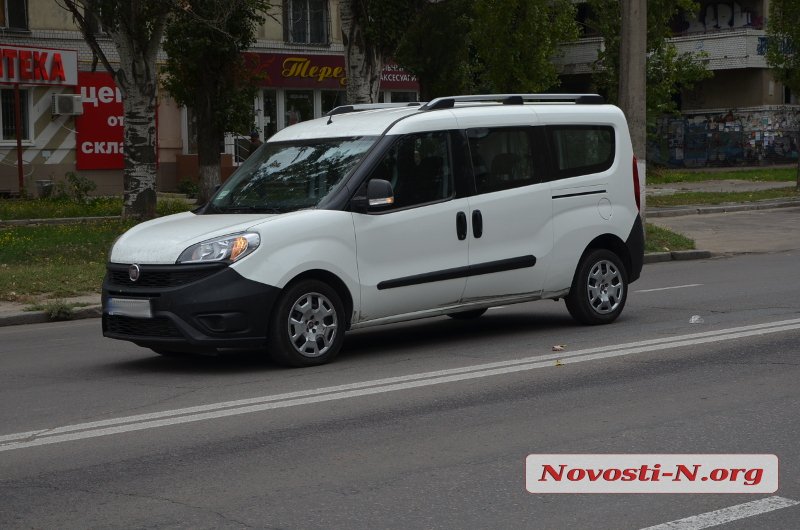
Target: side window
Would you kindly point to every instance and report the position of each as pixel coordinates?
(501, 158)
(581, 149)
(419, 168)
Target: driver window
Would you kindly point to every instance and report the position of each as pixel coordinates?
(419, 168)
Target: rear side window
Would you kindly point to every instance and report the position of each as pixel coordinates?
(581, 149)
(502, 158)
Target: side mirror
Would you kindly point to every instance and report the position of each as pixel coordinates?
(379, 195)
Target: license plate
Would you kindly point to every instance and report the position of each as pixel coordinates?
(129, 307)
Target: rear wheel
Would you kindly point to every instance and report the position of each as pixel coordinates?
(599, 289)
(307, 325)
(467, 315)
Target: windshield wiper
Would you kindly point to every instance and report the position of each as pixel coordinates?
(250, 209)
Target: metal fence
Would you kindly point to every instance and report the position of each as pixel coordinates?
(737, 137)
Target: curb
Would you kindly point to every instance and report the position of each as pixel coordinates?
(678, 211)
(18, 318)
(678, 255)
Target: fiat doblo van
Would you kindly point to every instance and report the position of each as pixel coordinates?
(377, 214)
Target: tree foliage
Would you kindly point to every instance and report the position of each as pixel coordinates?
(437, 48)
(783, 48)
(515, 40)
(463, 46)
(668, 71)
(135, 27)
(206, 71)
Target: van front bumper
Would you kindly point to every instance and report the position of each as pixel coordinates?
(198, 307)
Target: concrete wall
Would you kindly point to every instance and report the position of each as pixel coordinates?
(734, 89)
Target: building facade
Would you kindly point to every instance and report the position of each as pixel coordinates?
(298, 50)
(739, 116)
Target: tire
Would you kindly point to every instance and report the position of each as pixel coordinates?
(307, 325)
(467, 315)
(599, 289)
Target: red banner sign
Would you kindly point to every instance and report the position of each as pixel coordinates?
(100, 129)
(38, 66)
(320, 71)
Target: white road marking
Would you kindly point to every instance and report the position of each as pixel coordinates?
(668, 288)
(165, 418)
(726, 515)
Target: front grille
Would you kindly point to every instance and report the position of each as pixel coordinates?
(161, 276)
(141, 327)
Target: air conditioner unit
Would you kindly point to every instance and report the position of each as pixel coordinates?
(67, 104)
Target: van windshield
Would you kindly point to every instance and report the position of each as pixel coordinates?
(286, 176)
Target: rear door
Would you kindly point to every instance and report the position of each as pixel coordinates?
(511, 230)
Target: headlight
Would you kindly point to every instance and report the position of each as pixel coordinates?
(228, 248)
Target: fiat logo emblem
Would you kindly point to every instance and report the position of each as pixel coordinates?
(134, 272)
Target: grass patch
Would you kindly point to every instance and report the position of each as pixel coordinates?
(767, 174)
(659, 239)
(703, 197)
(57, 260)
(93, 207)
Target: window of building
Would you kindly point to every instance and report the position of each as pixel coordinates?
(14, 14)
(8, 122)
(419, 168)
(581, 149)
(501, 158)
(298, 105)
(306, 21)
(332, 99)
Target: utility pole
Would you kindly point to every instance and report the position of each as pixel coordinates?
(633, 79)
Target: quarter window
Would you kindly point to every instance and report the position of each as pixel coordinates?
(306, 21)
(581, 149)
(419, 168)
(501, 158)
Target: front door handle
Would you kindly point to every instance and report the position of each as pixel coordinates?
(477, 223)
(461, 226)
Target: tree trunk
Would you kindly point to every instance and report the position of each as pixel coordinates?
(363, 62)
(209, 140)
(136, 78)
(633, 81)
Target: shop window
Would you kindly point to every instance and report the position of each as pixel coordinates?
(332, 99)
(270, 113)
(306, 21)
(8, 122)
(299, 106)
(14, 14)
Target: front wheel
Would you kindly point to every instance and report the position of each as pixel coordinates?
(307, 325)
(599, 289)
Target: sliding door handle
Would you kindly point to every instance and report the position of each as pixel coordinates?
(461, 226)
(477, 223)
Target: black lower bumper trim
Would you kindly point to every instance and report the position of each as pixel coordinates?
(219, 310)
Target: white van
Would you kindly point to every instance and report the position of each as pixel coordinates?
(385, 213)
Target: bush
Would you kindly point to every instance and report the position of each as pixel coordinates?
(188, 188)
(79, 186)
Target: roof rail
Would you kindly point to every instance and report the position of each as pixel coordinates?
(513, 99)
(358, 107)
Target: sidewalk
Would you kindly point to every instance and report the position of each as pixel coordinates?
(764, 226)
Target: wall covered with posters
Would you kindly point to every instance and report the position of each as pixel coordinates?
(739, 137)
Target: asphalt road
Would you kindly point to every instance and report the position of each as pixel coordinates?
(418, 425)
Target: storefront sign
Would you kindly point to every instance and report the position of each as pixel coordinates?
(38, 66)
(319, 71)
(100, 128)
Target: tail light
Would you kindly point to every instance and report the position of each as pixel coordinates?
(636, 187)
